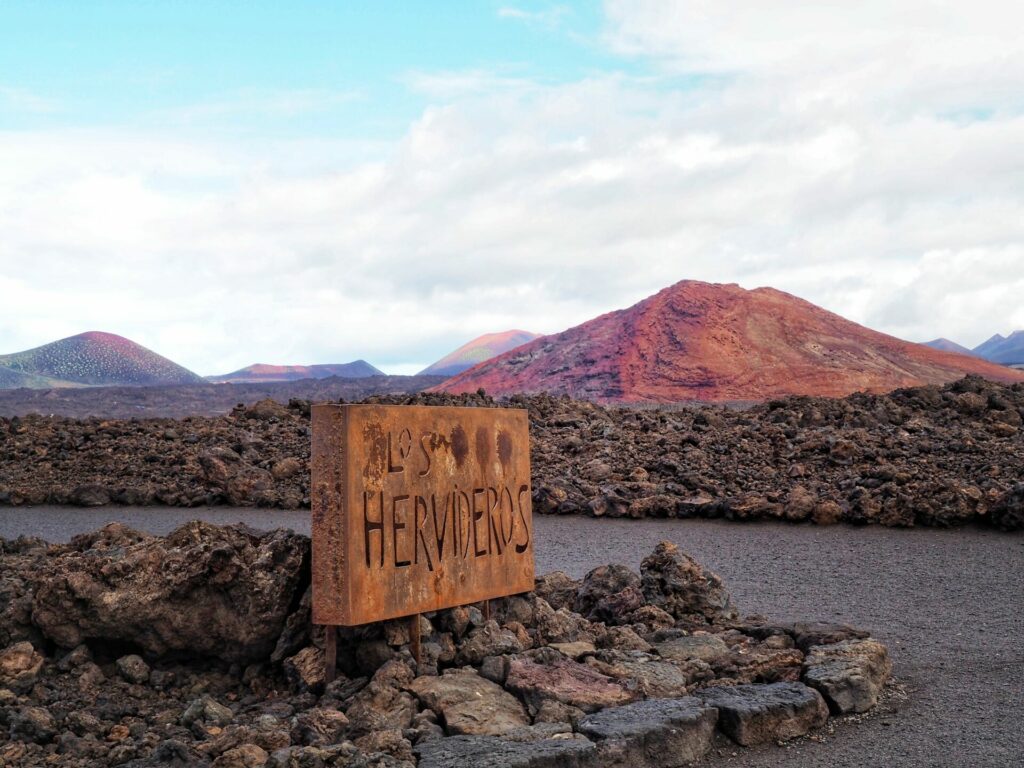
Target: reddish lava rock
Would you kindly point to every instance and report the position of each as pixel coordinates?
(702, 341)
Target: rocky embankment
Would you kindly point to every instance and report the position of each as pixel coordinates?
(196, 649)
(935, 456)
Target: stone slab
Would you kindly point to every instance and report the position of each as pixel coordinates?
(657, 733)
(757, 714)
(495, 752)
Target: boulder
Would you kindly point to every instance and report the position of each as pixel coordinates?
(19, 667)
(623, 639)
(850, 675)
(133, 669)
(576, 650)
(708, 648)
(678, 584)
(561, 679)
(1008, 511)
(608, 593)
(208, 710)
(557, 589)
(488, 640)
(306, 670)
(18, 564)
(383, 704)
(319, 727)
(496, 752)
(469, 704)
(89, 495)
(654, 678)
(390, 742)
(242, 756)
(32, 724)
(285, 468)
(658, 733)
(561, 626)
(764, 664)
(203, 590)
(758, 714)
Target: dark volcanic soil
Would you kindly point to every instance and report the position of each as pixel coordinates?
(947, 603)
(195, 399)
(924, 456)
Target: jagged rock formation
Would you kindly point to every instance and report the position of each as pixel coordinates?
(923, 456)
(153, 656)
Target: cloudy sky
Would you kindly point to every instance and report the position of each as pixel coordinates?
(306, 182)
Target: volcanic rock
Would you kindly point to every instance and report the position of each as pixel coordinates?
(608, 593)
(96, 707)
(19, 667)
(470, 704)
(662, 733)
(557, 589)
(809, 634)
(208, 710)
(33, 724)
(757, 714)
(245, 756)
(850, 675)
(1008, 512)
(488, 640)
(305, 670)
(912, 457)
(566, 681)
(706, 648)
(133, 669)
(384, 703)
(203, 590)
(654, 678)
(319, 727)
(495, 752)
(678, 584)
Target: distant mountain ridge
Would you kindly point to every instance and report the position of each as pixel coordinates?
(477, 351)
(261, 372)
(1006, 350)
(711, 342)
(90, 359)
(945, 345)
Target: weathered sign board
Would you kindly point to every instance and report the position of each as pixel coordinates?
(417, 508)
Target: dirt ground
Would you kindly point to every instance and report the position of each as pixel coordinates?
(948, 604)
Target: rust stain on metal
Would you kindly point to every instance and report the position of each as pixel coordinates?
(483, 446)
(460, 445)
(406, 520)
(504, 448)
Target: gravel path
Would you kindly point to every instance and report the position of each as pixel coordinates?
(950, 605)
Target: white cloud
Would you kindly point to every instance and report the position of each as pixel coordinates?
(550, 16)
(260, 103)
(839, 155)
(21, 100)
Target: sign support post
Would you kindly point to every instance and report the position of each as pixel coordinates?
(330, 653)
(414, 638)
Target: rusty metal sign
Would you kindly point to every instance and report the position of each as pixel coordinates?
(417, 508)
